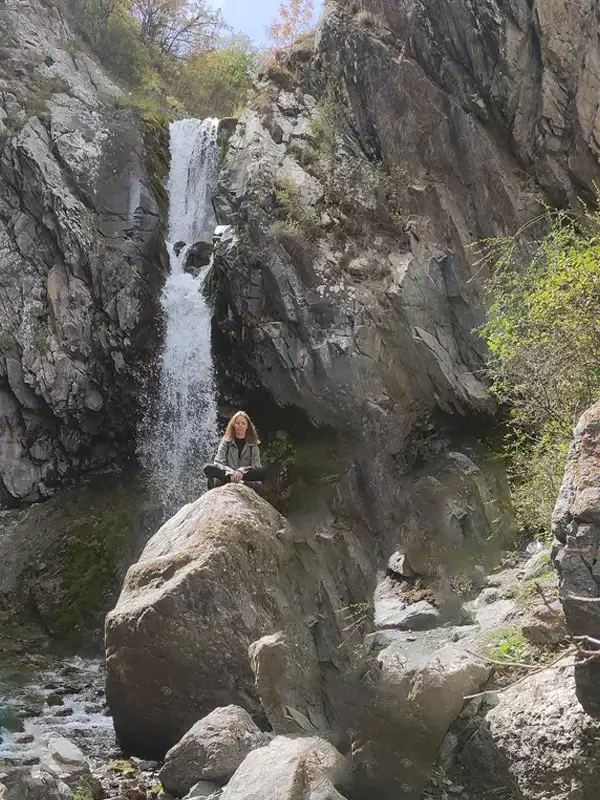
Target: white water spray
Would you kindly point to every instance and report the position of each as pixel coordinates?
(183, 431)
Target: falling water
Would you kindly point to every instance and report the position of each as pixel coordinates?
(183, 429)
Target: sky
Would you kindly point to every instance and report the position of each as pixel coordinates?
(252, 16)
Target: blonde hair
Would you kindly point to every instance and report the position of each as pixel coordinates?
(251, 434)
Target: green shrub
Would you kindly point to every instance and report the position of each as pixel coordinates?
(543, 333)
(534, 590)
(295, 211)
(509, 646)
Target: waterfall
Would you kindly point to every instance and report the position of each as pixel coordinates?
(182, 432)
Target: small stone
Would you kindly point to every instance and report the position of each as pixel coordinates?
(54, 700)
(66, 752)
(64, 712)
(399, 565)
(487, 597)
(144, 765)
(203, 789)
(546, 624)
(421, 616)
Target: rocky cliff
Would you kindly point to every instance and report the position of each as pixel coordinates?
(81, 257)
(371, 163)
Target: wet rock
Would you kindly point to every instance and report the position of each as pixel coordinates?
(211, 750)
(65, 761)
(64, 712)
(54, 700)
(290, 769)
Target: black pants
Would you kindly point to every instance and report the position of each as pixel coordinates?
(213, 471)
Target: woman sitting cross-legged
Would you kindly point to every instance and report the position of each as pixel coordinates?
(238, 456)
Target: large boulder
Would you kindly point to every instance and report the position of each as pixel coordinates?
(211, 750)
(225, 572)
(290, 769)
(205, 588)
(576, 528)
(405, 705)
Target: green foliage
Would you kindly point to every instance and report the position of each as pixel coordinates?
(365, 20)
(123, 766)
(281, 453)
(543, 332)
(94, 542)
(218, 82)
(156, 142)
(357, 619)
(300, 469)
(294, 209)
(85, 790)
(535, 590)
(209, 80)
(509, 646)
(327, 124)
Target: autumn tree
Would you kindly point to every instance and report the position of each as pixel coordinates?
(178, 27)
(294, 18)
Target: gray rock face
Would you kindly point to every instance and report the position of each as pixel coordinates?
(390, 611)
(289, 769)
(576, 528)
(211, 750)
(81, 259)
(43, 549)
(376, 315)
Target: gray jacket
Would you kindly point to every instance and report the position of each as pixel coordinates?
(230, 459)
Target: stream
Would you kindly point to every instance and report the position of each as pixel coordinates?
(40, 697)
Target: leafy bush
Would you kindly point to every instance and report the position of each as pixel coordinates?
(543, 333)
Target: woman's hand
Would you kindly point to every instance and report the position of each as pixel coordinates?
(237, 477)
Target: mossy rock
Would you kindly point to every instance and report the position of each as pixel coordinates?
(158, 155)
(72, 553)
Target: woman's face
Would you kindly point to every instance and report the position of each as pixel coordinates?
(240, 425)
